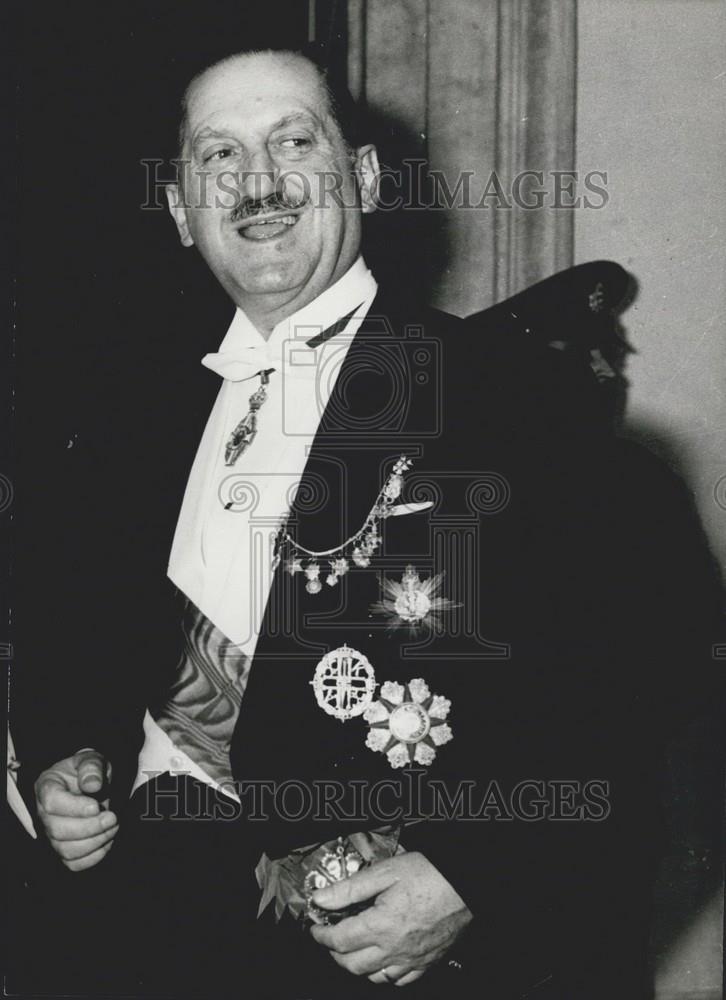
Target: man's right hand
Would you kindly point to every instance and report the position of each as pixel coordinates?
(77, 828)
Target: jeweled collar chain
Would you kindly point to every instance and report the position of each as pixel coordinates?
(359, 548)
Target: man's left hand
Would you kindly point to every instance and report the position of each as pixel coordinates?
(415, 918)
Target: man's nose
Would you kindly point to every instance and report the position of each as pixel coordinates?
(260, 177)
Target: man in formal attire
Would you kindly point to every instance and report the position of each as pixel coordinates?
(397, 444)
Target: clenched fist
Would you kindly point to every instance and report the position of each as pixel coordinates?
(77, 828)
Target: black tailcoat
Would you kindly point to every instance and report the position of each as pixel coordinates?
(584, 589)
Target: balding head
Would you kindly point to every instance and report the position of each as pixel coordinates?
(271, 192)
(342, 109)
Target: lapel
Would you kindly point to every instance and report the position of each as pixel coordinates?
(369, 422)
(366, 426)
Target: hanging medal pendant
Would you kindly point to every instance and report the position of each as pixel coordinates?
(344, 683)
(359, 549)
(246, 430)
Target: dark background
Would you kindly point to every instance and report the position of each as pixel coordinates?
(98, 92)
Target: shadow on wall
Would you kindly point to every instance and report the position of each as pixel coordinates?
(669, 449)
(687, 930)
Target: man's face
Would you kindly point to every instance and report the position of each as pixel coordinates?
(258, 200)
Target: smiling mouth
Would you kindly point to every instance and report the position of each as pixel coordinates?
(266, 227)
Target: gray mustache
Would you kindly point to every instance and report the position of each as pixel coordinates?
(248, 208)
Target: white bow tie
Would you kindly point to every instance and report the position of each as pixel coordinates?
(298, 360)
(244, 363)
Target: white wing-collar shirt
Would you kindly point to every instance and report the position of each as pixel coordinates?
(221, 556)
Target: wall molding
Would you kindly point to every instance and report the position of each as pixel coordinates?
(484, 85)
(536, 105)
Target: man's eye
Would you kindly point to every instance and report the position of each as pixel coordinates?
(218, 154)
(296, 142)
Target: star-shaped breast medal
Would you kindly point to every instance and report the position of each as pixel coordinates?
(407, 723)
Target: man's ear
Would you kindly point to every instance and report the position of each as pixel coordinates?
(367, 171)
(179, 214)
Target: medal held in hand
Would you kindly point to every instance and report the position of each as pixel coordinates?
(288, 884)
(334, 866)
